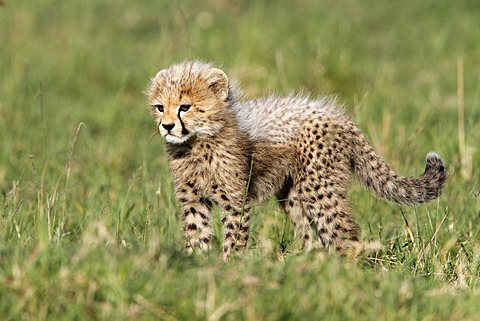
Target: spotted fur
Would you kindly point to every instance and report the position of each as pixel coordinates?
(230, 152)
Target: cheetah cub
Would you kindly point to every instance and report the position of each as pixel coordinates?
(230, 152)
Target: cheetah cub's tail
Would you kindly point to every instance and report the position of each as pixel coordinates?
(380, 178)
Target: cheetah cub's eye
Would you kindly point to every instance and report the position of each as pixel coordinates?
(184, 107)
(159, 108)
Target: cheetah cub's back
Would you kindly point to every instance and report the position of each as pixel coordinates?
(228, 151)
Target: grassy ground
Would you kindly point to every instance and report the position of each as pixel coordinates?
(89, 224)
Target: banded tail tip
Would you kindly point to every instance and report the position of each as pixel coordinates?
(433, 155)
(433, 160)
(436, 167)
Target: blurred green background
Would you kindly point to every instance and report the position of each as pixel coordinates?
(90, 227)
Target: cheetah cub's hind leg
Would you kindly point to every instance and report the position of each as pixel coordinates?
(321, 183)
(328, 212)
(292, 205)
(321, 219)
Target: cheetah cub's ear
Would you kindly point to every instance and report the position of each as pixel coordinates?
(217, 81)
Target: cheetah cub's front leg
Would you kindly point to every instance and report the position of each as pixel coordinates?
(235, 228)
(235, 216)
(197, 224)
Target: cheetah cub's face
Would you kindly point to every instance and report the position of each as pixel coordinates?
(188, 100)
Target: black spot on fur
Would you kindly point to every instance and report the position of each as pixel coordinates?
(191, 227)
(206, 201)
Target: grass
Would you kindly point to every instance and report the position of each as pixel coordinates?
(89, 223)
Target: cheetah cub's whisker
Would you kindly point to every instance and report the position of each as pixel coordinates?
(302, 149)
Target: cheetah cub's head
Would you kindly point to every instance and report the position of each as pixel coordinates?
(187, 100)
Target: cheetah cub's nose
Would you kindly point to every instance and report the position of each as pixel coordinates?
(168, 127)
